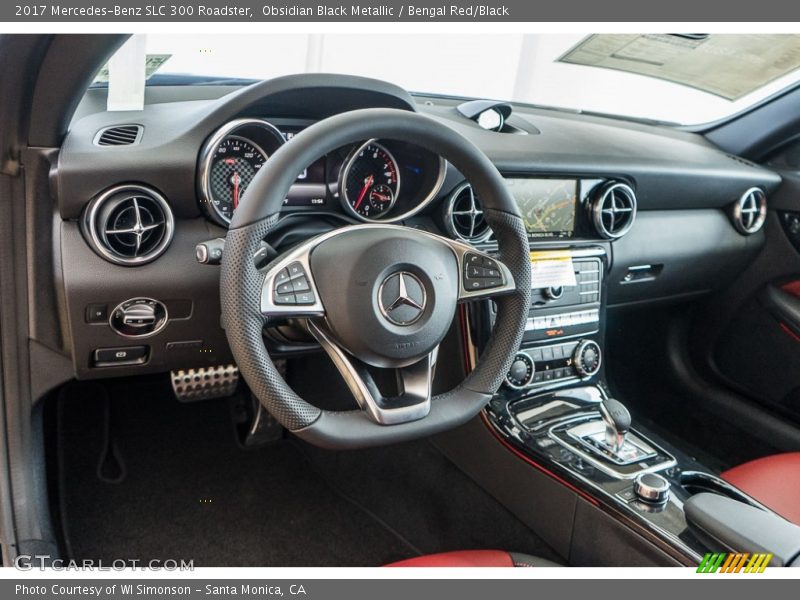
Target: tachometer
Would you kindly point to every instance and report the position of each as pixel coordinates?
(235, 163)
(370, 181)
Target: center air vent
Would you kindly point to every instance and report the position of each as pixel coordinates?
(464, 218)
(613, 210)
(750, 211)
(119, 135)
(128, 225)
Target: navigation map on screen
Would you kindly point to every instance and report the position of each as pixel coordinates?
(547, 205)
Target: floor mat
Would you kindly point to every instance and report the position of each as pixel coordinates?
(190, 492)
(144, 477)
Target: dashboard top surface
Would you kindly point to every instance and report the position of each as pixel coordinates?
(670, 169)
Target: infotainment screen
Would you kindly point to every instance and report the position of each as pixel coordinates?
(547, 205)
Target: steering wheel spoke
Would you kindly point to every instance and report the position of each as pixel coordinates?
(414, 383)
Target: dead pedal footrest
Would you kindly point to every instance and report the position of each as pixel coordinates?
(204, 383)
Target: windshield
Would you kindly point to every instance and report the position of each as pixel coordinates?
(685, 79)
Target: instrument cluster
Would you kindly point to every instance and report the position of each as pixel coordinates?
(375, 180)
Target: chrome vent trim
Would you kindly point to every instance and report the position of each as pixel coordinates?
(128, 225)
(463, 217)
(613, 210)
(119, 135)
(750, 211)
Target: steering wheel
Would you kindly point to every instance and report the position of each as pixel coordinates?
(374, 295)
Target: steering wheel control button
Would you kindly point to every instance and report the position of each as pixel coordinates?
(114, 357)
(402, 298)
(305, 298)
(295, 270)
(284, 299)
(138, 317)
(522, 371)
(300, 284)
(651, 488)
(284, 289)
(481, 273)
(291, 286)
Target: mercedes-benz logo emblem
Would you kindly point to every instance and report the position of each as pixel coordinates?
(402, 298)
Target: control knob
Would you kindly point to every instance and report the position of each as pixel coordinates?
(652, 488)
(520, 374)
(138, 317)
(553, 292)
(587, 358)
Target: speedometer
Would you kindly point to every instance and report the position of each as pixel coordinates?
(235, 163)
(229, 160)
(370, 181)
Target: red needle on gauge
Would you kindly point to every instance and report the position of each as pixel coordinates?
(367, 184)
(235, 189)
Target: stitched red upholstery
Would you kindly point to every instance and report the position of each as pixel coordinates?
(774, 481)
(464, 558)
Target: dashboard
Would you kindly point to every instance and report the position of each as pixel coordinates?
(136, 194)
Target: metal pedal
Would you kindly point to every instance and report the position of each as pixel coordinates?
(204, 383)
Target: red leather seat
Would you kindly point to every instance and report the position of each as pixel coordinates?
(475, 558)
(774, 481)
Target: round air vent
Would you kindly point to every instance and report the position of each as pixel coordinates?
(129, 225)
(750, 211)
(464, 216)
(613, 210)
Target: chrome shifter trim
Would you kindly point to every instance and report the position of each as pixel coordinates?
(608, 467)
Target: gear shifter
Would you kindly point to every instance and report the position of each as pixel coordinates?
(618, 423)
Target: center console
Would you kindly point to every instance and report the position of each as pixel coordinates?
(555, 408)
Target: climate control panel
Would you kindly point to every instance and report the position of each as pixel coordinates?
(545, 365)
